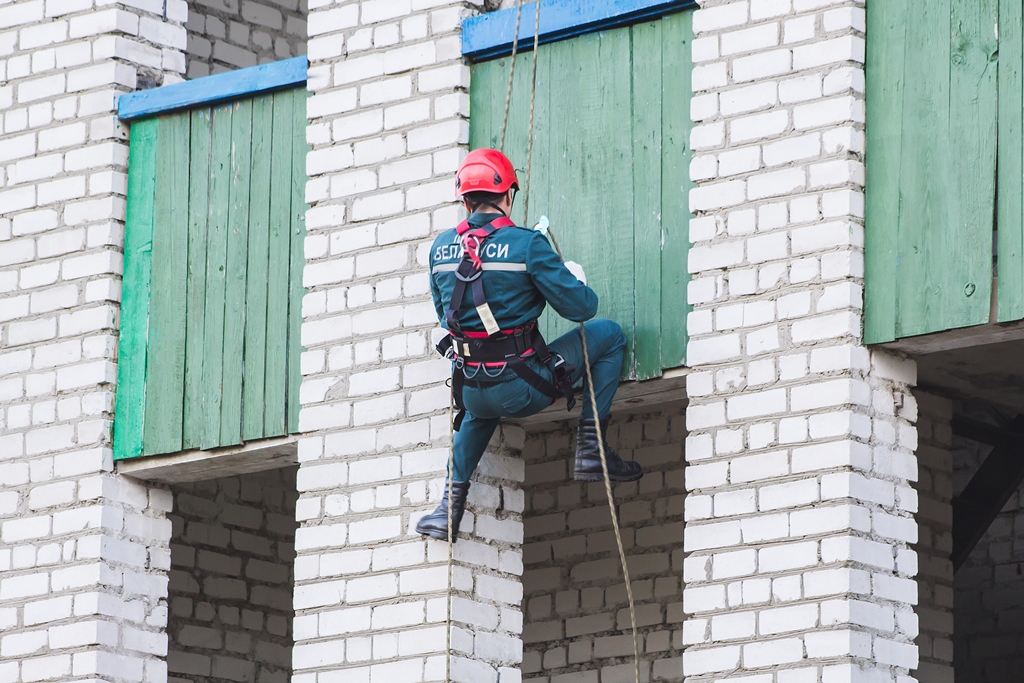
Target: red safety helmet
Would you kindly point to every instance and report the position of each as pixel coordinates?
(485, 170)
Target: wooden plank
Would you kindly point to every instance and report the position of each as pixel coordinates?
(276, 382)
(195, 306)
(489, 35)
(230, 85)
(485, 127)
(886, 59)
(257, 269)
(677, 67)
(165, 378)
(590, 152)
(948, 168)
(1010, 196)
(297, 256)
(216, 260)
(647, 158)
(131, 367)
(924, 168)
(965, 254)
(234, 284)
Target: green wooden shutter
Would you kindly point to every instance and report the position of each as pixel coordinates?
(611, 164)
(212, 291)
(939, 108)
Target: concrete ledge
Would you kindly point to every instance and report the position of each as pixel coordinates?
(196, 465)
(632, 397)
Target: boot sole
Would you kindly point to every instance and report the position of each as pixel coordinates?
(598, 476)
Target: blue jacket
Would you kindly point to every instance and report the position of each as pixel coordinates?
(521, 273)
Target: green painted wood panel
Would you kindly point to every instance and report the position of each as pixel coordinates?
(235, 269)
(588, 171)
(297, 258)
(275, 392)
(1010, 197)
(884, 118)
(610, 171)
(973, 116)
(647, 155)
(213, 278)
(258, 261)
(931, 165)
(195, 318)
(677, 69)
(216, 274)
(138, 243)
(165, 381)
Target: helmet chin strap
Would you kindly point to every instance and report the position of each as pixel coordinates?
(512, 202)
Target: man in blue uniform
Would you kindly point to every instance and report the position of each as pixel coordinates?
(490, 281)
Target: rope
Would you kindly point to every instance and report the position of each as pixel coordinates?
(608, 487)
(586, 363)
(533, 98)
(451, 549)
(586, 357)
(451, 404)
(511, 72)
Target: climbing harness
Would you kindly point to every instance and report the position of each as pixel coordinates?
(518, 346)
(496, 348)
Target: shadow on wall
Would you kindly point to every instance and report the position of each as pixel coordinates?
(988, 636)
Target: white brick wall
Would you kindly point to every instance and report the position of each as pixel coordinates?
(935, 544)
(577, 618)
(230, 34)
(800, 513)
(388, 129)
(83, 553)
(230, 593)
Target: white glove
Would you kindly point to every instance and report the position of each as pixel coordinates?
(577, 270)
(437, 334)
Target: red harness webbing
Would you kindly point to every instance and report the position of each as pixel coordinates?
(472, 237)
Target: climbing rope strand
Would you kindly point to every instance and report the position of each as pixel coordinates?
(586, 354)
(511, 73)
(611, 508)
(451, 404)
(608, 486)
(586, 363)
(451, 549)
(533, 99)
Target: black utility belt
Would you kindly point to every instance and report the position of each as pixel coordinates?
(497, 349)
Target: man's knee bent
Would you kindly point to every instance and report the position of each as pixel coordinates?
(610, 330)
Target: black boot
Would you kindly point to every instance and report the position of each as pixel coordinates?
(588, 457)
(435, 524)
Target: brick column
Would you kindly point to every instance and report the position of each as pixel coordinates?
(83, 553)
(800, 513)
(388, 129)
(935, 521)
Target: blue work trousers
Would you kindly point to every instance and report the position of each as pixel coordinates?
(606, 345)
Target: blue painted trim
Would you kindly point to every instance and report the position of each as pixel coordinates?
(487, 36)
(209, 89)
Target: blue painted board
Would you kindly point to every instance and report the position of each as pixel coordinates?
(211, 89)
(487, 36)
